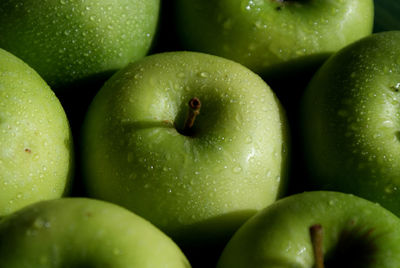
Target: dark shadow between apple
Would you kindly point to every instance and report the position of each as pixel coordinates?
(289, 80)
(203, 242)
(355, 248)
(75, 99)
(166, 38)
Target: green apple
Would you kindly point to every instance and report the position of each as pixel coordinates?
(81, 232)
(195, 183)
(66, 41)
(273, 36)
(315, 228)
(350, 121)
(35, 138)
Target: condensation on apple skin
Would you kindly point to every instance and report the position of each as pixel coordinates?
(38, 225)
(113, 45)
(391, 189)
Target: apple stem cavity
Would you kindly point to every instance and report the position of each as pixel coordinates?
(316, 233)
(194, 111)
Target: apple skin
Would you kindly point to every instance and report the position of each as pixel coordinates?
(273, 37)
(198, 188)
(350, 123)
(69, 41)
(81, 232)
(278, 236)
(36, 148)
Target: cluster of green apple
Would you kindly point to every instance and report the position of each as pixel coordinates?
(199, 133)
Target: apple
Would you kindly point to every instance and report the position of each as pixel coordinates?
(311, 229)
(192, 142)
(81, 232)
(274, 37)
(36, 153)
(68, 41)
(350, 127)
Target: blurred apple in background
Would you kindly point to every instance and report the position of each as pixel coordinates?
(36, 151)
(350, 119)
(307, 229)
(198, 183)
(80, 232)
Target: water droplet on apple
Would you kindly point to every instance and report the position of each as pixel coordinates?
(388, 123)
(260, 25)
(30, 232)
(39, 223)
(332, 202)
(203, 74)
(395, 88)
(390, 189)
(249, 139)
(237, 169)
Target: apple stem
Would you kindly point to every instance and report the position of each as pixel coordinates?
(194, 111)
(316, 233)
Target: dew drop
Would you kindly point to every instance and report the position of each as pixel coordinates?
(391, 189)
(237, 169)
(395, 88)
(203, 74)
(249, 140)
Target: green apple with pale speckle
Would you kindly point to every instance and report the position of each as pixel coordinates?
(67, 41)
(315, 230)
(274, 37)
(36, 152)
(350, 121)
(81, 232)
(192, 142)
